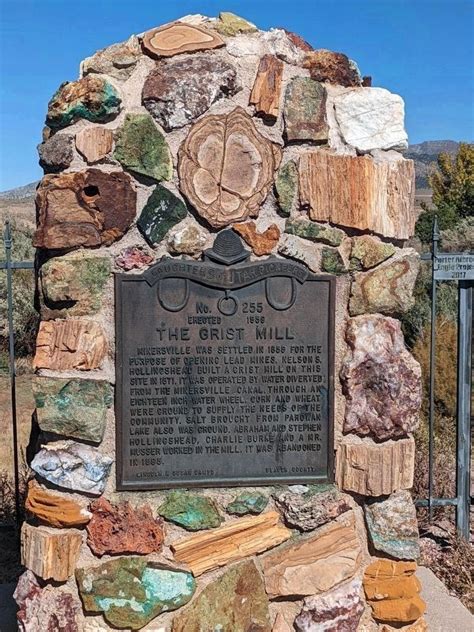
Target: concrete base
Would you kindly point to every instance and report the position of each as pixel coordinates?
(444, 613)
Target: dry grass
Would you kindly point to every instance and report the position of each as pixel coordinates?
(453, 563)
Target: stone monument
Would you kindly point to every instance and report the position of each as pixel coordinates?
(224, 400)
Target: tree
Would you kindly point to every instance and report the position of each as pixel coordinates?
(452, 183)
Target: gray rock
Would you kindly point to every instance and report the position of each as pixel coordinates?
(56, 153)
(177, 91)
(312, 509)
(74, 466)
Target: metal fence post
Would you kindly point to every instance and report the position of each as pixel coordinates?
(434, 252)
(463, 430)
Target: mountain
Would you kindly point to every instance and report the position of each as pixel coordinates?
(20, 193)
(425, 155)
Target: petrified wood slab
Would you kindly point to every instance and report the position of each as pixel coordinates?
(94, 143)
(86, 208)
(69, 344)
(226, 167)
(372, 469)
(49, 553)
(232, 542)
(314, 564)
(178, 37)
(359, 192)
(55, 510)
(266, 90)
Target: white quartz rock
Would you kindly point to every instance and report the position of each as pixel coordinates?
(371, 118)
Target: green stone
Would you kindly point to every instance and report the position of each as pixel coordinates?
(332, 261)
(286, 186)
(190, 511)
(162, 211)
(230, 24)
(367, 252)
(235, 602)
(142, 148)
(393, 526)
(305, 228)
(247, 503)
(129, 592)
(91, 98)
(73, 285)
(305, 111)
(74, 408)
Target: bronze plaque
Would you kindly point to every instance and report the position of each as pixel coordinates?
(224, 372)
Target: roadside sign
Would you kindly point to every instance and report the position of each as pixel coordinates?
(454, 267)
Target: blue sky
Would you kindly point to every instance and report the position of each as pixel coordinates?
(421, 49)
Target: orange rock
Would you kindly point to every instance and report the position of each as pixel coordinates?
(418, 626)
(261, 243)
(392, 591)
(53, 509)
(398, 610)
(388, 569)
(69, 344)
(397, 588)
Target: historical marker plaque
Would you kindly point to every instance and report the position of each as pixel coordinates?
(224, 372)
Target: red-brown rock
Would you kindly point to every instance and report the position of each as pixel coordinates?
(261, 243)
(86, 208)
(329, 67)
(122, 529)
(298, 41)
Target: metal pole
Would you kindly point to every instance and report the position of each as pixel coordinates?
(11, 356)
(463, 427)
(434, 252)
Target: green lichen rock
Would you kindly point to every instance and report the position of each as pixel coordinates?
(230, 24)
(305, 111)
(73, 285)
(190, 511)
(129, 592)
(247, 503)
(306, 229)
(162, 211)
(74, 408)
(332, 261)
(91, 98)
(142, 148)
(235, 602)
(367, 252)
(286, 187)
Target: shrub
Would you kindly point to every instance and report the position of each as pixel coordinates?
(25, 317)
